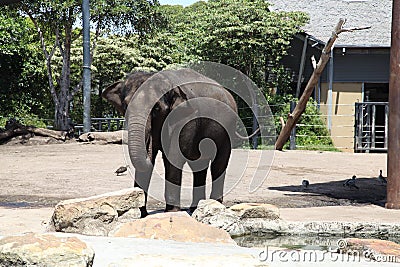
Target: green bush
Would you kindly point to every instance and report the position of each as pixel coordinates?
(312, 134)
(24, 116)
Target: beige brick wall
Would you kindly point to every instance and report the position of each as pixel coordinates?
(344, 95)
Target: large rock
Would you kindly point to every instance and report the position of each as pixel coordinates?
(375, 249)
(256, 210)
(97, 215)
(44, 250)
(178, 226)
(240, 219)
(207, 208)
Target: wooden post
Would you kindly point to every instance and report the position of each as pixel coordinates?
(301, 105)
(292, 145)
(393, 167)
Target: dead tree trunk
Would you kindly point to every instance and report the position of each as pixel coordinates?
(14, 128)
(301, 105)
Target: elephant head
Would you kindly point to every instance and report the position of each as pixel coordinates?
(145, 109)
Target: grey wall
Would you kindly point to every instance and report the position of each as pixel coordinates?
(356, 66)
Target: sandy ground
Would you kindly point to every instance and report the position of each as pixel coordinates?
(35, 178)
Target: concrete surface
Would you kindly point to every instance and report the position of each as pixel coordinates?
(35, 178)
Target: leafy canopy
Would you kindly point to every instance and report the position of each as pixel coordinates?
(243, 34)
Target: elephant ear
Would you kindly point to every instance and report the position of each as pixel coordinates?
(177, 99)
(114, 95)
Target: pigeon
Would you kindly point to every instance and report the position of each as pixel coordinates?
(305, 183)
(121, 169)
(381, 178)
(351, 183)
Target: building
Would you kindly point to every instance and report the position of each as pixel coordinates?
(353, 90)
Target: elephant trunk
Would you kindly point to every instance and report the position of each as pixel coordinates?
(138, 153)
(139, 123)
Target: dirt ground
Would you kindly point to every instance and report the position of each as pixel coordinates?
(35, 178)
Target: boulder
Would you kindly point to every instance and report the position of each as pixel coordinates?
(98, 214)
(226, 221)
(178, 226)
(44, 250)
(255, 210)
(207, 208)
(375, 249)
(240, 219)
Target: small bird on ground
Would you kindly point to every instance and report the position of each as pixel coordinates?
(351, 183)
(121, 169)
(305, 183)
(381, 178)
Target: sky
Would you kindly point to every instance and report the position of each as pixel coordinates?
(177, 2)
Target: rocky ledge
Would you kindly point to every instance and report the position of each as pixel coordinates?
(97, 215)
(252, 218)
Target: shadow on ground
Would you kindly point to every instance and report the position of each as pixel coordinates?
(371, 191)
(28, 201)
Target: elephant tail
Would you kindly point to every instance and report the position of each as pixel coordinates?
(248, 137)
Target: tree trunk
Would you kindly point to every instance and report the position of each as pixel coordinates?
(108, 137)
(65, 97)
(301, 105)
(14, 128)
(61, 116)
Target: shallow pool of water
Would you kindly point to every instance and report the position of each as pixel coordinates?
(309, 242)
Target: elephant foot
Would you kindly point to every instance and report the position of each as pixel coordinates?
(171, 208)
(143, 212)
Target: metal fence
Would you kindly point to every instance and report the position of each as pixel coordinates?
(359, 127)
(371, 132)
(270, 133)
(102, 125)
(323, 129)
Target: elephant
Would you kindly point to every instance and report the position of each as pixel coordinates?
(197, 110)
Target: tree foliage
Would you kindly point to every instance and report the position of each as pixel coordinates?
(22, 74)
(41, 49)
(243, 34)
(114, 58)
(54, 22)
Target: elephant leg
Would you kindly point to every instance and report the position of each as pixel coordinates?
(199, 188)
(173, 182)
(218, 171)
(142, 180)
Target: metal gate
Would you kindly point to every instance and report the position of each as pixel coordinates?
(371, 127)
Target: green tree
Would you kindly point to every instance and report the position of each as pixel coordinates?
(115, 57)
(243, 34)
(21, 76)
(55, 22)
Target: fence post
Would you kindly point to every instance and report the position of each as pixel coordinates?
(86, 66)
(255, 126)
(292, 138)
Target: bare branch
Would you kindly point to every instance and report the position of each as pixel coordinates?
(47, 55)
(57, 32)
(301, 105)
(354, 29)
(76, 89)
(96, 37)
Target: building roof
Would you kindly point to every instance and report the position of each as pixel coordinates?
(325, 14)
